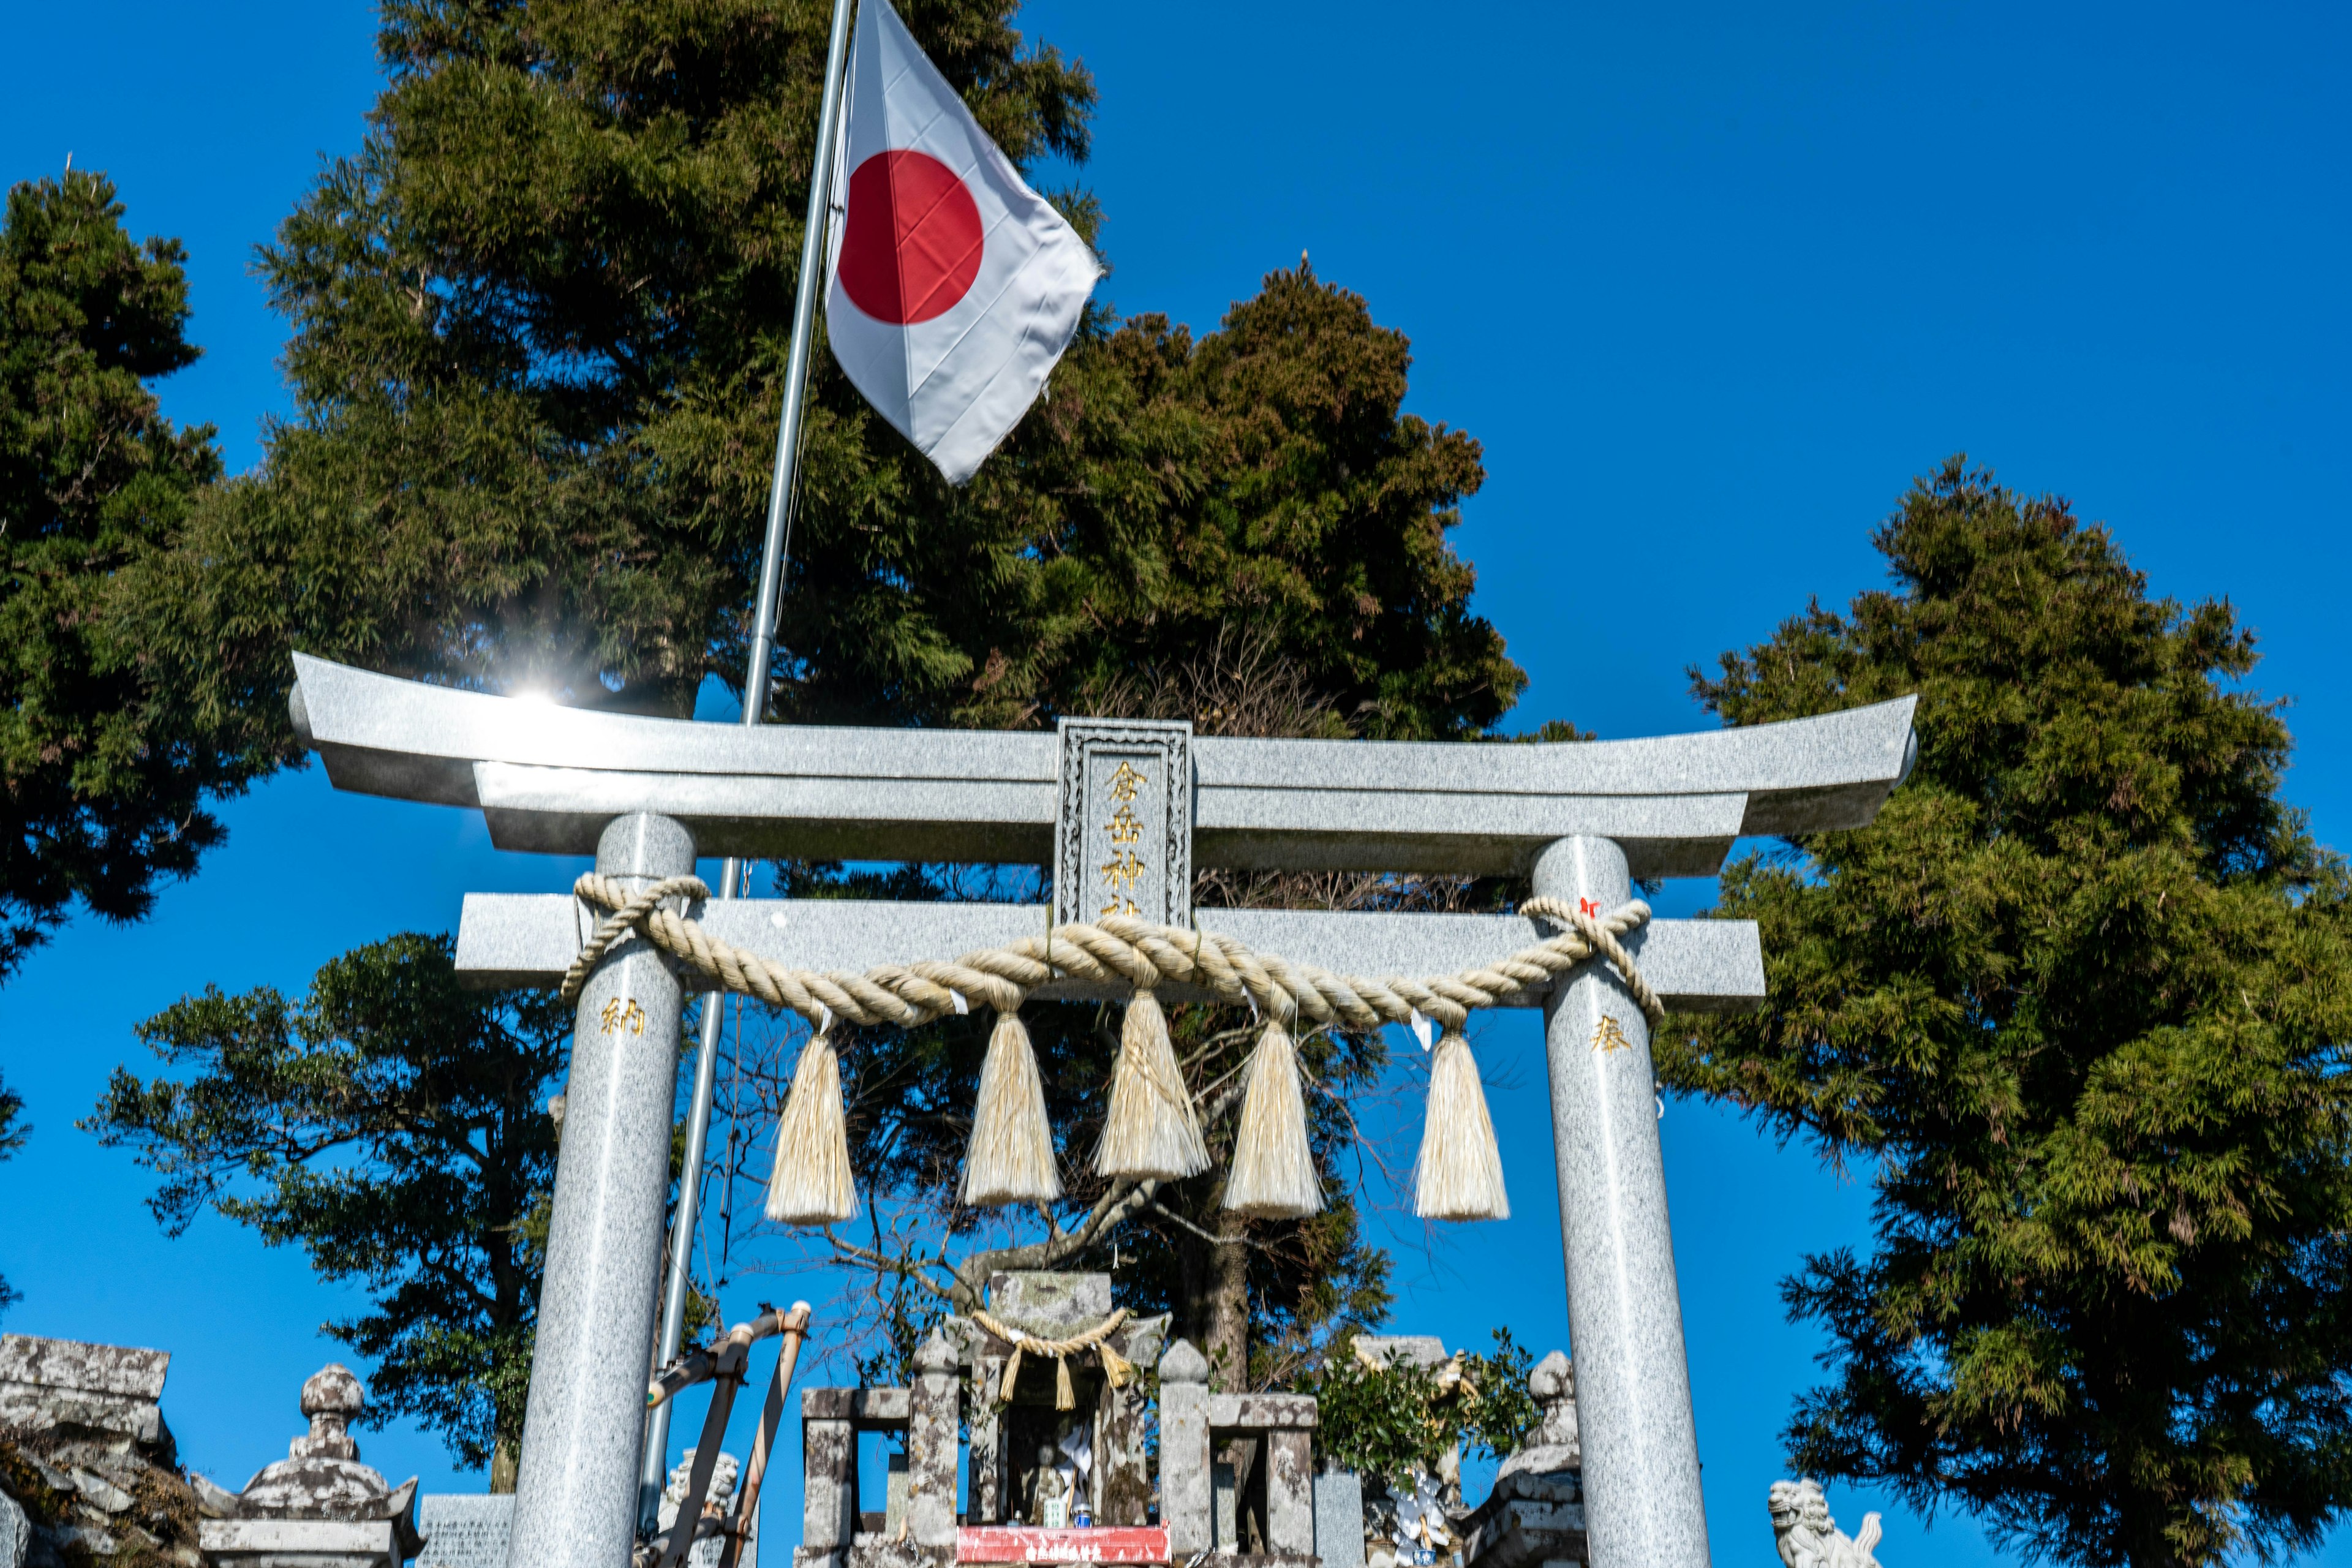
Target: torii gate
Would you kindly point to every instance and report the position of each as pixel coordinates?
(648, 796)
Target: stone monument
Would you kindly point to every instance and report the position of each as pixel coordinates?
(464, 1529)
(318, 1507)
(1583, 821)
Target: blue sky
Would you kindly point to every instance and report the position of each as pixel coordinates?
(1711, 283)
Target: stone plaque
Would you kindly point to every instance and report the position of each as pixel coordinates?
(1123, 828)
(462, 1530)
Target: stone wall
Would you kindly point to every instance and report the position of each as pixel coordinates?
(86, 1465)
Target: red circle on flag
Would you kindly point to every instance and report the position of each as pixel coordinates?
(912, 243)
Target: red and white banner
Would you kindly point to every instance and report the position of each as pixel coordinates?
(955, 287)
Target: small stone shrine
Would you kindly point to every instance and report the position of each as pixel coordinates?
(1046, 1379)
(318, 1507)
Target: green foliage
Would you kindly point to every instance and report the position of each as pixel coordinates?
(2080, 999)
(1505, 1412)
(100, 778)
(539, 326)
(1392, 1421)
(394, 1125)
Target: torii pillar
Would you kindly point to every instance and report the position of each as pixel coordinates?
(1583, 819)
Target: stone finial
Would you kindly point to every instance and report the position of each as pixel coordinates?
(935, 1354)
(320, 1476)
(1553, 1447)
(332, 1399)
(1182, 1363)
(1553, 1383)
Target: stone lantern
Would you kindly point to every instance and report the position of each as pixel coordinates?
(318, 1507)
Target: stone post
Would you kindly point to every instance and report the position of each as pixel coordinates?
(829, 1493)
(931, 1424)
(576, 1495)
(1184, 1496)
(1643, 1507)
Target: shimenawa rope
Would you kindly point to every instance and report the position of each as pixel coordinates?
(1151, 1131)
(1116, 1367)
(1117, 949)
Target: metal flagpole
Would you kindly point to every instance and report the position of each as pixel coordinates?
(755, 703)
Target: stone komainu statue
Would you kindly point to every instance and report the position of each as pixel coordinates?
(1809, 1538)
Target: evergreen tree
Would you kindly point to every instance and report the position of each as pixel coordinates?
(100, 782)
(540, 322)
(2079, 998)
(394, 1126)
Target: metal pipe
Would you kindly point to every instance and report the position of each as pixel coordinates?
(773, 550)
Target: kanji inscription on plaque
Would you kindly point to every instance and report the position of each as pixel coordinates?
(1123, 838)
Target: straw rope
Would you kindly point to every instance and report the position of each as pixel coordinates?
(1116, 1367)
(1114, 950)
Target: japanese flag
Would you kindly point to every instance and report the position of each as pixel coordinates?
(955, 287)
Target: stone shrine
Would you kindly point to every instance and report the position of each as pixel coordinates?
(967, 1377)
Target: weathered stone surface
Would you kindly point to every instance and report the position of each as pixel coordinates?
(464, 1530)
(118, 1370)
(984, 1490)
(1044, 1302)
(1290, 1492)
(1526, 1519)
(1185, 1499)
(829, 1492)
(900, 1555)
(300, 1543)
(1340, 1519)
(84, 1449)
(866, 1407)
(15, 1534)
(1417, 1350)
(1553, 1446)
(931, 1454)
(1262, 1412)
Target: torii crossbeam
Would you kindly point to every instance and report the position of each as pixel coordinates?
(647, 795)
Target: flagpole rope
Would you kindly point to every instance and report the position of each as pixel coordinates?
(1118, 950)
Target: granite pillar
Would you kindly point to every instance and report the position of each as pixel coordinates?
(576, 1495)
(829, 1493)
(932, 1421)
(1643, 1505)
(1185, 1500)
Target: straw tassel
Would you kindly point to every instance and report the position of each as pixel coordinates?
(1010, 1158)
(1459, 1174)
(812, 1183)
(1273, 1174)
(1064, 1396)
(1152, 1132)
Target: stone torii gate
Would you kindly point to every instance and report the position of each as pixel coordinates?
(647, 795)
